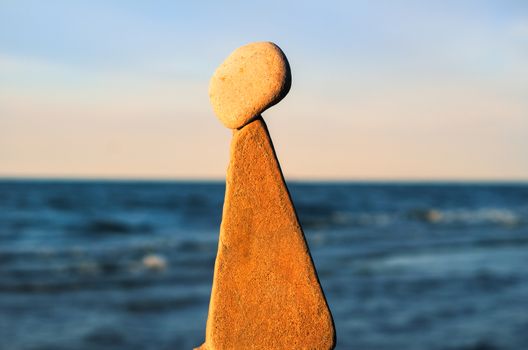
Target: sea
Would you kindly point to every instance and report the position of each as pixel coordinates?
(129, 264)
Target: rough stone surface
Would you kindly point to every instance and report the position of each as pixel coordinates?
(253, 78)
(266, 294)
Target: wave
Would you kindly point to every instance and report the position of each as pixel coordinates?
(442, 217)
(164, 304)
(114, 226)
(346, 219)
(481, 216)
(478, 345)
(126, 281)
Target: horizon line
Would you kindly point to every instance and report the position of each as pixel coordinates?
(289, 179)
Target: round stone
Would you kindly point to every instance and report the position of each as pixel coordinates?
(252, 79)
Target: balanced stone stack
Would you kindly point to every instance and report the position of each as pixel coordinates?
(265, 294)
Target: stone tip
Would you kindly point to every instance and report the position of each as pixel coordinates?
(252, 78)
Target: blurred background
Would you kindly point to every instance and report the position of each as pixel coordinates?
(403, 140)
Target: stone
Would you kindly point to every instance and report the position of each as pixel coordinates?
(266, 293)
(252, 79)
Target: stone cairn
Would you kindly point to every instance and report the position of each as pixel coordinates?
(266, 293)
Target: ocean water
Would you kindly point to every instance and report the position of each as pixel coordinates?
(128, 265)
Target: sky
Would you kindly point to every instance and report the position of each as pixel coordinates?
(382, 90)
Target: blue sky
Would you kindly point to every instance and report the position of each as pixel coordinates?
(381, 89)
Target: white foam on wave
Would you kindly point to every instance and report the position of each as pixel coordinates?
(154, 262)
(496, 216)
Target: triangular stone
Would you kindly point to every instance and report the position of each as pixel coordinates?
(266, 294)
